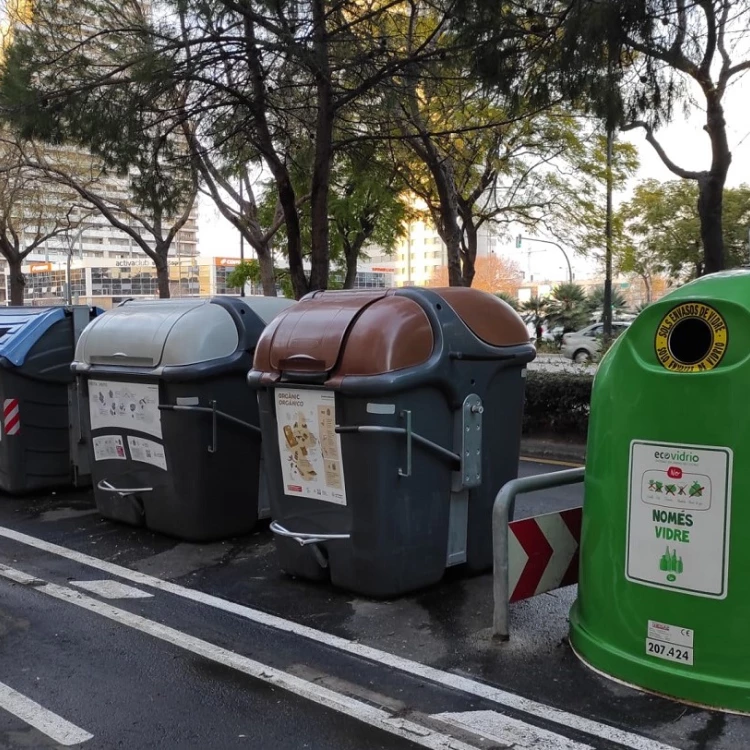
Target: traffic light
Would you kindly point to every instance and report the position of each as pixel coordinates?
(518, 240)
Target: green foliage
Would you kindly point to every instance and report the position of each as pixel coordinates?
(249, 272)
(568, 307)
(661, 229)
(535, 310)
(557, 405)
(596, 299)
(511, 299)
(364, 206)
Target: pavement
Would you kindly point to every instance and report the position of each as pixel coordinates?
(114, 637)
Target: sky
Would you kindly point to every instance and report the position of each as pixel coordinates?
(684, 140)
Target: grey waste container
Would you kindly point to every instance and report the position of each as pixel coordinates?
(175, 443)
(36, 349)
(390, 421)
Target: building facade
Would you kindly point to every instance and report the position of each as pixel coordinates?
(105, 282)
(421, 253)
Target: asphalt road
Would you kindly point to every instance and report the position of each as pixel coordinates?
(113, 637)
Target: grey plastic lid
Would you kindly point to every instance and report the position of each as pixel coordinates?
(267, 308)
(159, 333)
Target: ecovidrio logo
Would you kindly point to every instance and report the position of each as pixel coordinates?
(678, 454)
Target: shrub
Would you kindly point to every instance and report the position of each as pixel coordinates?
(557, 405)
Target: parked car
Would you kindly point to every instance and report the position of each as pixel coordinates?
(584, 345)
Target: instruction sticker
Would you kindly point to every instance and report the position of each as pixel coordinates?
(678, 517)
(147, 452)
(714, 328)
(108, 448)
(309, 446)
(125, 406)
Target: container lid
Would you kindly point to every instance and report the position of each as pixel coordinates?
(266, 308)
(158, 333)
(489, 318)
(22, 327)
(378, 332)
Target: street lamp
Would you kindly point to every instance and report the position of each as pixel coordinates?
(519, 238)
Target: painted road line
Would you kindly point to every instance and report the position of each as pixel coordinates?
(448, 679)
(375, 717)
(511, 732)
(112, 590)
(29, 711)
(551, 462)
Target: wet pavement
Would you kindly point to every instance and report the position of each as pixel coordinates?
(416, 658)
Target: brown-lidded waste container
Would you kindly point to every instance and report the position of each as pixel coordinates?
(390, 420)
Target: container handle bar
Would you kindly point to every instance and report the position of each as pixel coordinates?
(410, 435)
(500, 544)
(215, 413)
(105, 486)
(304, 539)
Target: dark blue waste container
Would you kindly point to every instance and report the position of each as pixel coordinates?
(36, 348)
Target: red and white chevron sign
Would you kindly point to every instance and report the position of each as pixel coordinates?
(543, 553)
(11, 416)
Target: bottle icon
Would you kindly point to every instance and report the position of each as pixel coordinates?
(670, 564)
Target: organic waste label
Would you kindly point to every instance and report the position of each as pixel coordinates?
(678, 517)
(310, 447)
(691, 337)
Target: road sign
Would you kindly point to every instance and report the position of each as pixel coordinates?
(543, 553)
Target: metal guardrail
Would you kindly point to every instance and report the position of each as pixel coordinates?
(500, 520)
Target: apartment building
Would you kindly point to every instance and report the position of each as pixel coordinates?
(43, 205)
(421, 254)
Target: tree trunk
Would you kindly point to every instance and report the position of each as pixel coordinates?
(470, 253)
(162, 276)
(321, 176)
(647, 284)
(276, 165)
(17, 282)
(288, 203)
(352, 249)
(711, 186)
(710, 205)
(267, 272)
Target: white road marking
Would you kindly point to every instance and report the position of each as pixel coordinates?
(509, 731)
(54, 726)
(464, 684)
(343, 704)
(112, 590)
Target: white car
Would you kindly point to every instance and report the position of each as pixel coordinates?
(584, 345)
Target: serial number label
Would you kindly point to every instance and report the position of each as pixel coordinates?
(680, 654)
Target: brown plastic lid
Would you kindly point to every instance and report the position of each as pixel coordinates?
(391, 334)
(382, 333)
(489, 318)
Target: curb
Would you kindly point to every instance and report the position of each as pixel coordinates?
(553, 450)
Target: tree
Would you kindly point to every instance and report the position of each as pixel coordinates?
(535, 311)
(245, 83)
(469, 158)
(366, 207)
(494, 273)
(568, 307)
(632, 63)
(33, 210)
(662, 232)
(123, 133)
(596, 300)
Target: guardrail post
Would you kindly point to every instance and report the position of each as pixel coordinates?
(500, 520)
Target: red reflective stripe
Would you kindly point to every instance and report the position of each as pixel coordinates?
(11, 416)
(536, 546)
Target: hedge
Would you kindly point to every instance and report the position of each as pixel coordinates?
(557, 405)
